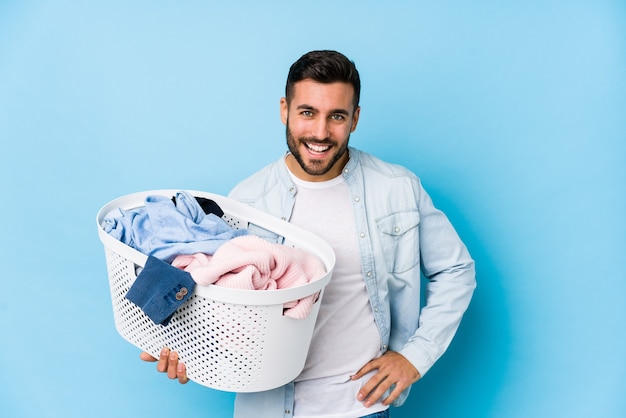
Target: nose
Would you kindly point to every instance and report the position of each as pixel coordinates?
(320, 129)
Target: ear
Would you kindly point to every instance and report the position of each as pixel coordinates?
(284, 110)
(355, 118)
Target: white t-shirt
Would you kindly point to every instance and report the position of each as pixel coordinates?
(345, 336)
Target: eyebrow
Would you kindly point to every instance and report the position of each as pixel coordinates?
(334, 111)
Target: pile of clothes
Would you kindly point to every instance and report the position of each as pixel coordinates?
(188, 243)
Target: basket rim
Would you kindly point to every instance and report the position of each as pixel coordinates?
(299, 236)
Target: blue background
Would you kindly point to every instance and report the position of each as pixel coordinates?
(512, 113)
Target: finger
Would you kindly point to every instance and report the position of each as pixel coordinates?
(182, 373)
(147, 357)
(369, 386)
(163, 360)
(393, 395)
(364, 370)
(172, 366)
(375, 394)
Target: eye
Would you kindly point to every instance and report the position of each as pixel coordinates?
(338, 117)
(306, 113)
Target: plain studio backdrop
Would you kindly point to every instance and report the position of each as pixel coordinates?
(512, 113)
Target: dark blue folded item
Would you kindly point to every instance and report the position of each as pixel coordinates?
(207, 205)
(160, 289)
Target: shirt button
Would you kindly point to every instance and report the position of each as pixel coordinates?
(362, 234)
(369, 274)
(357, 199)
(396, 229)
(181, 293)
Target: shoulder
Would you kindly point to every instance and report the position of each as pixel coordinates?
(375, 165)
(257, 184)
(387, 185)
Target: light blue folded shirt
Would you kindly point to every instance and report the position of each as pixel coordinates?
(165, 230)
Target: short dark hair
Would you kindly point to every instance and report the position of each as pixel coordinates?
(324, 67)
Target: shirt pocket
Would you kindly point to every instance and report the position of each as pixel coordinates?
(399, 235)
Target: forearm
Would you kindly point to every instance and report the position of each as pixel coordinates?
(448, 296)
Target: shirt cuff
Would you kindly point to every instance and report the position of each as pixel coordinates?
(160, 289)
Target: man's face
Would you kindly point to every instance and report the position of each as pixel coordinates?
(319, 120)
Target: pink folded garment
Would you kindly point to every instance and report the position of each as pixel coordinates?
(252, 263)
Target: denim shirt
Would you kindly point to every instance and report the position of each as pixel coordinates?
(401, 236)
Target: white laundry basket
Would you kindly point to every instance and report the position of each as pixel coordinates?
(231, 340)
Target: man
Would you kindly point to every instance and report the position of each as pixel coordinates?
(371, 341)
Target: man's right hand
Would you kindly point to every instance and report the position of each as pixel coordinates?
(168, 363)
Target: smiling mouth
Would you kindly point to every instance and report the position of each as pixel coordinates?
(316, 148)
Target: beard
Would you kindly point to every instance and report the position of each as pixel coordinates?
(315, 167)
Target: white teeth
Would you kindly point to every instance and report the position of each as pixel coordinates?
(318, 148)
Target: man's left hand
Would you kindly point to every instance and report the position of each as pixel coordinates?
(393, 368)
